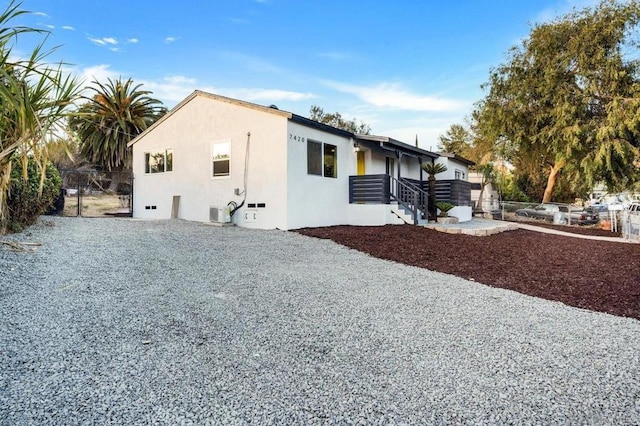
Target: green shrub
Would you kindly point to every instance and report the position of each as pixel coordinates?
(444, 207)
(25, 205)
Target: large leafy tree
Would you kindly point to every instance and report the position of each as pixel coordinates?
(117, 112)
(568, 99)
(458, 139)
(336, 120)
(35, 99)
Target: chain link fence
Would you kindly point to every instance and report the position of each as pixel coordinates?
(616, 218)
(630, 224)
(91, 193)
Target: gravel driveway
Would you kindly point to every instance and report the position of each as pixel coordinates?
(118, 321)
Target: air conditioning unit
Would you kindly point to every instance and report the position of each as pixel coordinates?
(219, 214)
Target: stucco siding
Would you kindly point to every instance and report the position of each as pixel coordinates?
(190, 133)
(314, 200)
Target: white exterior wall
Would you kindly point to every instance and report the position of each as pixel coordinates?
(463, 213)
(279, 192)
(411, 168)
(452, 166)
(490, 196)
(190, 132)
(314, 200)
(376, 163)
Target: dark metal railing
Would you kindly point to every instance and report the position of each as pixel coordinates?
(371, 189)
(407, 196)
(382, 189)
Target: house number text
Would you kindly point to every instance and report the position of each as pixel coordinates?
(293, 137)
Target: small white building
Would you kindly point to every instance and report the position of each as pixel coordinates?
(454, 186)
(212, 155)
(490, 195)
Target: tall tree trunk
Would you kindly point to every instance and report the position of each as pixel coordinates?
(551, 182)
(479, 208)
(433, 210)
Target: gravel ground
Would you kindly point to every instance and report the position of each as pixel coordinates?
(118, 321)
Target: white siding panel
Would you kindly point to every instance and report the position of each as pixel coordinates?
(190, 132)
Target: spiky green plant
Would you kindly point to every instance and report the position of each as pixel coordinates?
(35, 98)
(444, 207)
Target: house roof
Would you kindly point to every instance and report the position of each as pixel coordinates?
(456, 157)
(220, 98)
(383, 141)
(321, 126)
(395, 145)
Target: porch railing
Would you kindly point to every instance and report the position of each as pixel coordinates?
(372, 189)
(411, 196)
(382, 189)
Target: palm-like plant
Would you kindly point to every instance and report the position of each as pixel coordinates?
(116, 113)
(34, 100)
(432, 170)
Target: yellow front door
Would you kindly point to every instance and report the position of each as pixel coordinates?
(361, 171)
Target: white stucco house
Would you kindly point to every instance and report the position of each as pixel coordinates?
(454, 182)
(213, 158)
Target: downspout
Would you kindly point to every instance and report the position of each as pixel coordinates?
(235, 207)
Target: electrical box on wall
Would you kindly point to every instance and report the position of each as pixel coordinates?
(250, 216)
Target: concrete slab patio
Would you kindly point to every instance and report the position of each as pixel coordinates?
(483, 227)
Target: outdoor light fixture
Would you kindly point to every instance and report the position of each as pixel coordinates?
(356, 147)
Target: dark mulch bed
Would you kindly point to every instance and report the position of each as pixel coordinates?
(596, 275)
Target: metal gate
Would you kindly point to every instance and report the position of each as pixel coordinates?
(91, 193)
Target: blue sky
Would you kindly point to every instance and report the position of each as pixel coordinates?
(407, 67)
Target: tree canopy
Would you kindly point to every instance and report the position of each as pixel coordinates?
(336, 120)
(116, 113)
(567, 101)
(458, 139)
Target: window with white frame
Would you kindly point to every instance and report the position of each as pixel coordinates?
(322, 159)
(158, 161)
(459, 174)
(220, 159)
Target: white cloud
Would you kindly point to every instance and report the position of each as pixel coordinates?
(103, 41)
(99, 73)
(68, 27)
(173, 89)
(180, 79)
(41, 14)
(133, 40)
(394, 96)
(171, 39)
(97, 41)
(266, 95)
(114, 49)
(51, 27)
